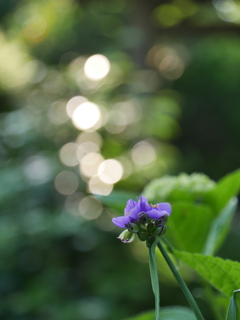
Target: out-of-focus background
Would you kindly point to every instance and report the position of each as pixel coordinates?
(99, 96)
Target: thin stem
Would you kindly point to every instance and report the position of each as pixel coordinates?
(181, 282)
(154, 278)
(168, 244)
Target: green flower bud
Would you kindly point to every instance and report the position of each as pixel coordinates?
(126, 236)
(150, 241)
(142, 235)
(159, 231)
(132, 227)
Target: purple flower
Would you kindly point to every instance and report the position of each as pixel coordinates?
(135, 209)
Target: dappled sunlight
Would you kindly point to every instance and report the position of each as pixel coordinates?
(68, 154)
(97, 186)
(38, 169)
(90, 208)
(56, 112)
(73, 103)
(35, 28)
(102, 102)
(116, 121)
(110, 171)
(168, 60)
(85, 148)
(89, 164)
(66, 182)
(143, 154)
(86, 115)
(96, 67)
(228, 10)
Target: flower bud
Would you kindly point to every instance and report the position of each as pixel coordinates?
(159, 230)
(126, 236)
(132, 227)
(143, 218)
(150, 240)
(142, 235)
(162, 220)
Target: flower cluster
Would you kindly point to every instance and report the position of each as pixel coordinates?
(145, 220)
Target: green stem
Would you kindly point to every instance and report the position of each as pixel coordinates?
(181, 282)
(154, 277)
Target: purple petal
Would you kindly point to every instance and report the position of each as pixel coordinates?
(145, 206)
(133, 214)
(121, 221)
(142, 206)
(130, 205)
(156, 214)
(164, 206)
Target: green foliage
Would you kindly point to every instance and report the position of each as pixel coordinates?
(182, 187)
(224, 275)
(225, 189)
(154, 276)
(202, 209)
(167, 313)
(189, 225)
(233, 312)
(55, 262)
(220, 227)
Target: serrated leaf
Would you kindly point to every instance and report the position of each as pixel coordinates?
(224, 275)
(219, 228)
(232, 313)
(191, 220)
(226, 188)
(167, 313)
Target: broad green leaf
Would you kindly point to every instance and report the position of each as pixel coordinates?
(167, 313)
(219, 227)
(232, 313)
(117, 199)
(224, 275)
(189, 226)
(226, 188)
(183, 187)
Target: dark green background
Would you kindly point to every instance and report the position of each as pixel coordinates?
(57, 266)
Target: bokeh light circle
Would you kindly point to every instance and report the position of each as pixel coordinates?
(96, 67)
(110, 171)
(86, 115)
(66, 182)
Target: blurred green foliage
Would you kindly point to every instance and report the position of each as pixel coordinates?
(202, 209)
(180, 313)
(168, 103)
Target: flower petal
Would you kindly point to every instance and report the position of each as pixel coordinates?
(145, 206)
(164, 206)
(130, 205)
(156, 214)
(142, 206)
(121, 221)
(133, 214)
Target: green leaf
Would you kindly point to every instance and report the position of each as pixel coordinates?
(232, 313)
(167, 313)
(224, 275)
(183, 187)
(225, 189)
(154, 276)
(191, 220)
(220, 227)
